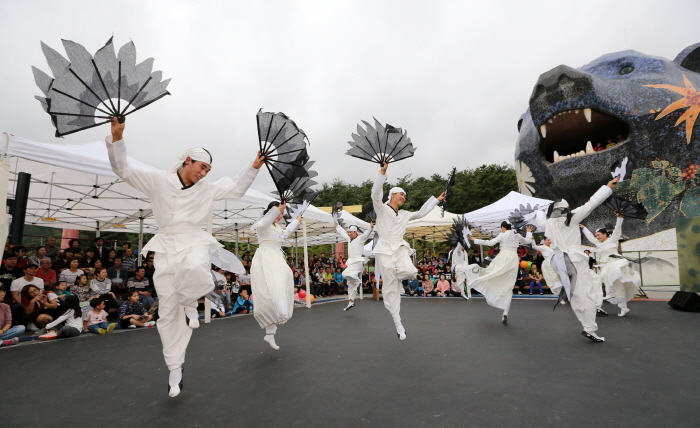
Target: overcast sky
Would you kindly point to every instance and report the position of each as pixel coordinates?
(456, 75)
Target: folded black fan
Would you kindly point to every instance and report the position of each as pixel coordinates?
(84, 85)
(521, 217)
(369, 212)
(381, 144)
(336, 209)
(626, 208)
(448, 191)
(459, 233)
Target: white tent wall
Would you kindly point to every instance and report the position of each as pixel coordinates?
(488, 219)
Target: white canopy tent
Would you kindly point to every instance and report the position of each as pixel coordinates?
(488, 219)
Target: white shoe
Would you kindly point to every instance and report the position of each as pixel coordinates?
(594, 337)
(150, 324)
(174, 391)
(193, 320)
(270, 339)
(623, 312)
(32, 327)
(350, 306)
(402, 336)
(132, 326)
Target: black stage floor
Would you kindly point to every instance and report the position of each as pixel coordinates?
(459, 367)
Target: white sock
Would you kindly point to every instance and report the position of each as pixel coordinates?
(175, 377)
(400, 329)
(271, 329)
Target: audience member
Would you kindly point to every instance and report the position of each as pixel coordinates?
(101, 287)
(128, 260)
(243, 304)
(132, 313)
(81, 289)
(95, 321)
(8, 273)
(535, 279)
(428, 286)
(45, 272)
(88, 260)
(72, 272)
(74, 245)
(443, 286)
(51, 248)
(69, 324)
(7, 331)
(33, 303)
(21, 253)
(117, 275)
(39, 256)
(413, 287)
(142, 286)
(98, 249)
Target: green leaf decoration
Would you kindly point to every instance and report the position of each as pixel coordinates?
(675, 171)
(660, 164)
(623, 188)
(658, 194)
(690, 205)
(640, 178)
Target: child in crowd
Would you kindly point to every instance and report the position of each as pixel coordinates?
(535, 278)
(217, 304)
(338, 279)
(81, 289)
(69, 324)
(243, 304)
(8, 334)
(95, 321)
(132, 314)
(61, 290)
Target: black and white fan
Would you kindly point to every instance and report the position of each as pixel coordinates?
(448, 191)
(459, 233)
(380, 144)
(523, 216)
(626, 208)
(86, 91)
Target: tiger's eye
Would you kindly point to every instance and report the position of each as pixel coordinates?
(626, 69)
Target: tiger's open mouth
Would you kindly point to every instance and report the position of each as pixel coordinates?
(573, 133)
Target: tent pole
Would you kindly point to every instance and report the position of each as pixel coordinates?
(306, 264)
(207, 302)
(97, 232)
(236, 239)
(140, 258)
(296, 247)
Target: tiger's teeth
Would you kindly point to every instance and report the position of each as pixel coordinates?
(587, 113)
(589, 147)
(557, 158)
(581, 153)
(543, 130)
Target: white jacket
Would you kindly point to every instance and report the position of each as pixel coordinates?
(355, 246)
(608, 247)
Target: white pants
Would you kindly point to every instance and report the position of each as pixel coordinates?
(597, 289)
(353, 275)
(180, 279)
(394, 268)
(584, 297)
(461, 280)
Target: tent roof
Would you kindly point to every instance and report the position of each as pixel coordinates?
(488, 219)
(432, 227)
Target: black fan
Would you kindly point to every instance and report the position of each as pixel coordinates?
(459, 233)
(381, 144)
(622, 168)
(626, 208)
(370, 213)
(84, 85)
(521, 217)
(336, 209)
(448, 191)
(284, 146)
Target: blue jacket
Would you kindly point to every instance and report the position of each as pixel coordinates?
(247, 304)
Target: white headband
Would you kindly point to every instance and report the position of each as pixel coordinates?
(561, 204)
(394, 190)
(352, 228)
(196, 154)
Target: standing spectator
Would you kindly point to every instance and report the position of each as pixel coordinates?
(132, 314)
(8, 273)
(101, 287)
(88, 260)
(98, 249)
(51, 248)
(72, 272)
(45, 272)
(128, 260)
(39, 256)
(142, 286)
(69, 324)
(428, 286)
(95, 321)
(535, 278)
(21, 253)
(7, 332)
(443, 286)
(117, 276)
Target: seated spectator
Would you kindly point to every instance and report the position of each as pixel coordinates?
(522, 252)
(108, 261)
(8, 273)
(21, 252)
(455, 289)
(117, 275)
(243, 304)
(132, 314)
(440, 268)
(522, 281)
(51, 248)
(328, 284)
(7, 331)
(535, 279)
(428, 286)
(72, 272)
(92, 273)
(142, 286)
(101, 287)
(61, 290)
(218, 310)
(95, 321)
(120, 253)
(442, 287)
(81, 289)
(88, 260)
(16, 289)
(150, 270)
(74, 245)
(69, 324)
(366, 284)
(413, 288)
(339, 280)
(39, 256)
(63, 260)
(34, 302)
(128, 260)
(45, 272)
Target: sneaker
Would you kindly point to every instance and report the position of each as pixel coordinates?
(13, 341)
(48, 336)
(623, 312)
(520, 292)
(111, 328)
(600, 313)
(592, 336)
(32, 327)
(101, 331)
(150, 324)
(350, 306)
(504, 319)
(132, 326)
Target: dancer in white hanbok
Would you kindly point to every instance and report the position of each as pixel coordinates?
(569, 260)
(621, 281)
(392, 252)
(271, 278)
(181, 201)
(550, 274)
(355, 262)
(497, 280)
(459, 268)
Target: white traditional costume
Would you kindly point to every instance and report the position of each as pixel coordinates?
(496, 281)
(182, 268)
(271, 278)
(550, 274)
(392, 253)
(566, 241)
(355, 262)
(459, 268)
(621, 281)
